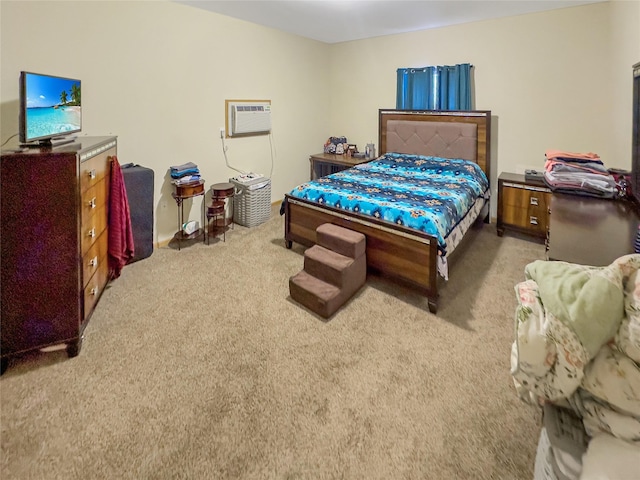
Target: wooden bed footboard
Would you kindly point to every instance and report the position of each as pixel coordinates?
(393, 251)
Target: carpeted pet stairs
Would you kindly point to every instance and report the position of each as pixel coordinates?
(334, 270)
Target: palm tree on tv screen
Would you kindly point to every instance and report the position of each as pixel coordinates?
(75, 93)
(63, 97)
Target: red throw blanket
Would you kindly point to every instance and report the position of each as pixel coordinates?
(120, 232)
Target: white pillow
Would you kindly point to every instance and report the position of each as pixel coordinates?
(609, 458)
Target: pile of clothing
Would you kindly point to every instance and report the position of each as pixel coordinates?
(577, 346)
(185, 174)
(578, 173)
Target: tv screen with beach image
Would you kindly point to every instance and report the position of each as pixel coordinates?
(53, 106)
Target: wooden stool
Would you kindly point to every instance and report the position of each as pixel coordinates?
(224, 192)
(217, 211)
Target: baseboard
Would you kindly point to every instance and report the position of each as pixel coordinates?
(165, 243)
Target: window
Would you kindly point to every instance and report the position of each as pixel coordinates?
(441, 87)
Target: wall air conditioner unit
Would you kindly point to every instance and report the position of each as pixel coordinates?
(248, 118)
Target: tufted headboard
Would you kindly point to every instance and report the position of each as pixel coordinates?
(448, 134)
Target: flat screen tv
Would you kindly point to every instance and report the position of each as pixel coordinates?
(50, 108)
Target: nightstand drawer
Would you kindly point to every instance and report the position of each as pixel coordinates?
(522, 196)
(522, 205)
(535, 219)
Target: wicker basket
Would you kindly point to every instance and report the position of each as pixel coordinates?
(252, 202)
(543, 467)
(565, 430)
(563, 441)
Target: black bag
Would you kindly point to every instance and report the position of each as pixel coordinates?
(138, 182)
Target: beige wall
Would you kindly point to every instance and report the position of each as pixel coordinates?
(156, 74)
(558, 79)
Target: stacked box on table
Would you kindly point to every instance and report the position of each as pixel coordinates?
(252, 201)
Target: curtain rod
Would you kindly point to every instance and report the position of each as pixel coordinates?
(424, 68)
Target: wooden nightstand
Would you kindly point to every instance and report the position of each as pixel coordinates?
(523, 205)
(322, 164)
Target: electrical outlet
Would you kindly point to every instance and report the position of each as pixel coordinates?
(221, 132)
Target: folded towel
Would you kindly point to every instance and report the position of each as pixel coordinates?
(577, 157)
(182, 173)
(187, 180)
(184, 166)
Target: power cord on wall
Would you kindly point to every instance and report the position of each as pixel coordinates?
(7, 140)
(272, 149)
(224, 152)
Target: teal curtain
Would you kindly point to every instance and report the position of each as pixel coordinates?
(441, 87)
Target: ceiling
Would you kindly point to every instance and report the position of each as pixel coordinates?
(337, 21)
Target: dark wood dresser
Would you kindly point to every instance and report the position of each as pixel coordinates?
(54, 240)
(591, 231)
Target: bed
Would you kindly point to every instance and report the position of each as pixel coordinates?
(411, 256)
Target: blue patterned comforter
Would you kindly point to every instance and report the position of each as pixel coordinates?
(429, 194)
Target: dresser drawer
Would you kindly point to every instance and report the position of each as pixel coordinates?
(93, 200)
(95, 257)
(522, 196)
(90, 231)
(93, 288)
(535, 219)
(95, 169)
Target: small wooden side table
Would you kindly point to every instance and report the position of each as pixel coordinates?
(216, 212)
(323, 164)
(182, 193)
(523, 205)
(225, 193)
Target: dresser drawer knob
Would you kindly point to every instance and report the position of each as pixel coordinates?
(92, 173)
(94, 291)
(92, 232)
(533, 201)
(533, 220)
(93, 262)
(92, 203)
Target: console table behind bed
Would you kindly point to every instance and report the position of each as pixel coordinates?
(396, 251)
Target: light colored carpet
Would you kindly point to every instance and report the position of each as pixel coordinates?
(196, 364)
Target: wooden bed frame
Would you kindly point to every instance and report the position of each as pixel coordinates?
(393, 250)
